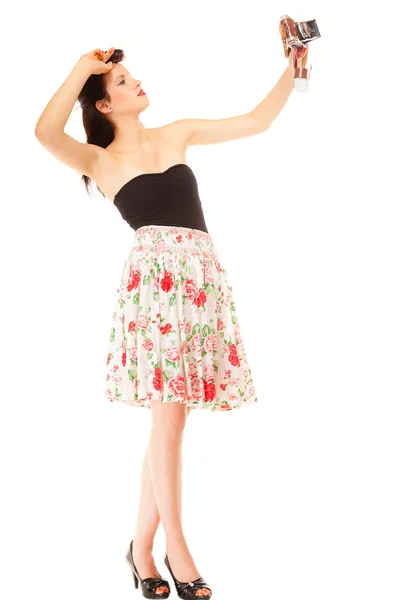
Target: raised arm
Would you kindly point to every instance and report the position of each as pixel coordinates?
(213, 131)
(49, 129)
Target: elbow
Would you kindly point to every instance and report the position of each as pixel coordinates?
(39, 132)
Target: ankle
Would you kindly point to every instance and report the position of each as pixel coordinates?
(142, 545)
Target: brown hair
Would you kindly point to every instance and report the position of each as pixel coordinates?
(99, 130)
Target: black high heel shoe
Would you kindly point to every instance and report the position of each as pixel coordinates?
(149, 585)
(187, 591)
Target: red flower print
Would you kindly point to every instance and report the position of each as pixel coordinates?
(157, 379)
(195, 343)
(195, 385)
(165, 328)
(143, 321)
(148, 345)
(233, 357)
(179, 238)
(208, 277)
(210, 342)
(109, 357)
(225, 407)
(123, 358)
(189, 288)
(172, 354)
(208, 372)
(177, 385)
(193, 369)
(167, 281)
(201, 298)
(131, 326)
(134, 280)
(160, 244)
(209, 391)
(222, 386)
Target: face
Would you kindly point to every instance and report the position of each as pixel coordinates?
(123, 90)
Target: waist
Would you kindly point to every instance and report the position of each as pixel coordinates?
(173, 238)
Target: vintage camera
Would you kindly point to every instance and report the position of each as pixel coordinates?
(294, 36)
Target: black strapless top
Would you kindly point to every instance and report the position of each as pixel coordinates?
(167, 198)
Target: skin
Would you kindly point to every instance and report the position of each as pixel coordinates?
(137, 150)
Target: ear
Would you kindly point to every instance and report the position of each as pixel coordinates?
(102, 106)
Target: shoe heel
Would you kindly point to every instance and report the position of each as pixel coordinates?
(136, 580)
(149, 584)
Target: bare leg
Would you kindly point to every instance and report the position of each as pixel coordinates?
(165, 459)
(148, 520)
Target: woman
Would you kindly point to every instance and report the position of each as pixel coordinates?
(175, 340)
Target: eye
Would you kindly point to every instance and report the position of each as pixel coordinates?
(122, 81)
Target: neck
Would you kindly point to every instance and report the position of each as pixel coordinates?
(130, 133)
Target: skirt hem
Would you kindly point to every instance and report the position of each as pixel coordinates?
(205, 405)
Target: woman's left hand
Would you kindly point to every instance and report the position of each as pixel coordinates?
(303, 56)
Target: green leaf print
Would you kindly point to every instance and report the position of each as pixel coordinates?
(172, 300)
(175, 364)
(234, 319)
(135, 298)
(132, 374)
(214, 292)
(206, 330)
(159, 235)
(146, 279)
(112, 334)
(195, 329)
(155, 296)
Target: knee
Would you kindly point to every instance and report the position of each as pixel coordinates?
(169, 419)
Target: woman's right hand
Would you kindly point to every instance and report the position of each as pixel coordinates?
(96, 61)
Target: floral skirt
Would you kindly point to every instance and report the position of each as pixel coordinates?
(175, 335)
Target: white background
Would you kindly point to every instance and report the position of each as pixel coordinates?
(298, 496)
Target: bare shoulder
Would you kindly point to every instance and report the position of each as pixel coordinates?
(175, 132)
(113, 167)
